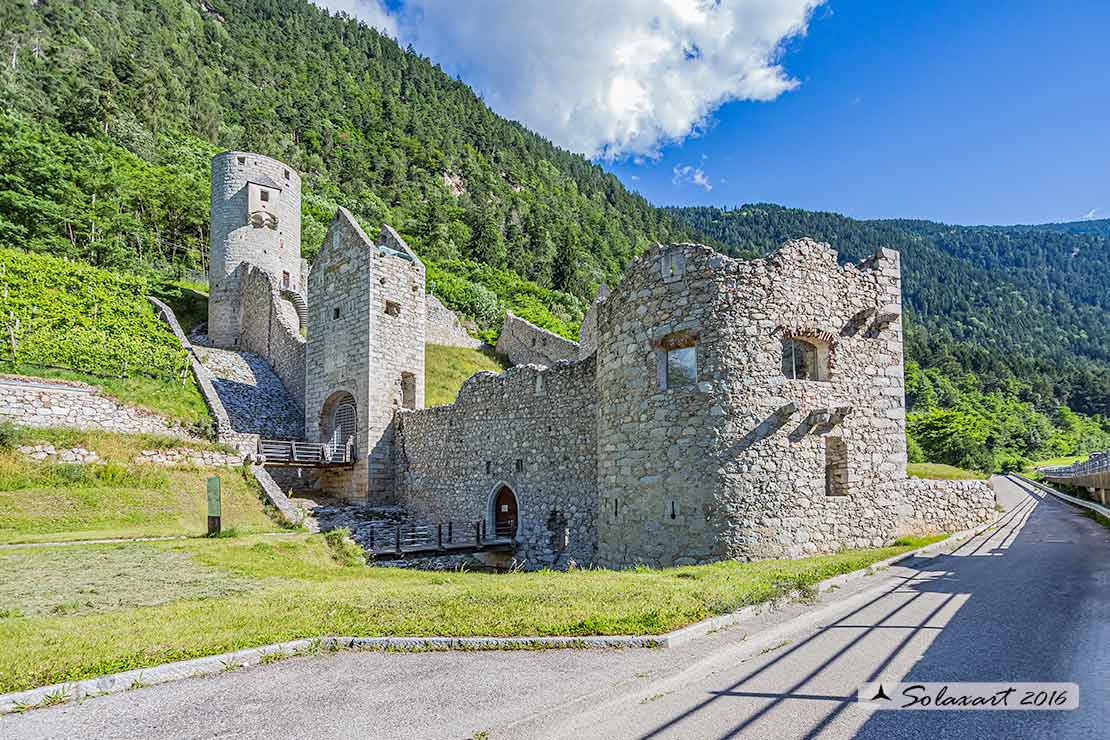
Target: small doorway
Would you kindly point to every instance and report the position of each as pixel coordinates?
(504, 513)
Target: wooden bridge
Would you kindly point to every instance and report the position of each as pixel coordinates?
(386, 540)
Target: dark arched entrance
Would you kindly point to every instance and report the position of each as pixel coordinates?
(504, 513)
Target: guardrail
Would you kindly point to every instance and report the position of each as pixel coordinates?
(1092, 472)
(1091, 505)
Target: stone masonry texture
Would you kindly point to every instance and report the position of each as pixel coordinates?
(524, 343)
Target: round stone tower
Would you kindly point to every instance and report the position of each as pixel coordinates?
(256, 218)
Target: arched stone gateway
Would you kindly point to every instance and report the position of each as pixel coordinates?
(504, 512)
(339, 426)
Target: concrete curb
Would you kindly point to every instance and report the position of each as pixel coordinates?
(1097, 508)
(138, 678)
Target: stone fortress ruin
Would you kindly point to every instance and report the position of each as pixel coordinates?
(714, 407)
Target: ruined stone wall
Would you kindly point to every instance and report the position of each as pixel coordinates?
(527, 344)
(443, 327)
(234, 239)
(587, 332)
(37, 403)
(734, 464)
(532, 429)
(270, 328)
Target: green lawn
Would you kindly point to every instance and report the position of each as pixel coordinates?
(940, 471)
(176, 399)
(43, 501)
(188, 598)
(447, 368)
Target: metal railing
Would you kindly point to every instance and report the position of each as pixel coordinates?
(1097, 463)
(291, 452)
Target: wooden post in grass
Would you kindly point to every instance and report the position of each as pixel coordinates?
(213, 506)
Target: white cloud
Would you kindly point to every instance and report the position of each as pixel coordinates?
(689, 174)
(1091, 214)
(370, 12)
(609, 79)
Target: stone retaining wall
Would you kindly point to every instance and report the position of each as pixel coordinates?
(933, 506)
(35, 403)
(442, 326)
(527, 344)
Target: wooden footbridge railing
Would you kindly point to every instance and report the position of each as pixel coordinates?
(444, 538)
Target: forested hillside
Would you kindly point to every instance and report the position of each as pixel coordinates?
(110, 111)
(372, 126)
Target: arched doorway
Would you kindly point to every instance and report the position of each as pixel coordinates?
(339, 427)
(504, 513)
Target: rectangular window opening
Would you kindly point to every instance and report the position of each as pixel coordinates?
(284, 279)
(488, 467)
(265, 195)
(520, 466)
(392, 308)
(335, 313)
(836, 466)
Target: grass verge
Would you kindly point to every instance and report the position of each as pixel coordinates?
(294, 587)
(940, 471)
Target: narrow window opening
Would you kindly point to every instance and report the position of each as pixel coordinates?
(286, 174)
(674, 510)
(836, 467)
(335, 313)
(408, 391)
(284, 279)
(488, 467)
(520, 466)
(616, 507)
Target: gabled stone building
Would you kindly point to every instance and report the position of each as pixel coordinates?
(715, 408)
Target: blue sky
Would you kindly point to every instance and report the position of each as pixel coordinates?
(964, 112)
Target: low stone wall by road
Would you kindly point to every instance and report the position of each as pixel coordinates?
(527, 344)
(442, 326)
(38, 403)
(933, 506)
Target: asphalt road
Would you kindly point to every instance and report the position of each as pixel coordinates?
(1029, 601)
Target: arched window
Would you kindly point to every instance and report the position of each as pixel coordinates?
(802, 360)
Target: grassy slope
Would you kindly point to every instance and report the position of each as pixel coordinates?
(447, 368)
(64, 635)
(43, 502)
(940, 471)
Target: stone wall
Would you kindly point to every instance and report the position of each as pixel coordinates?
(527, 344)
(443, 327)
(529, 428)
(37, 403)
(270, 328)
(234, 239)
(587, 332)
(944, 506)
